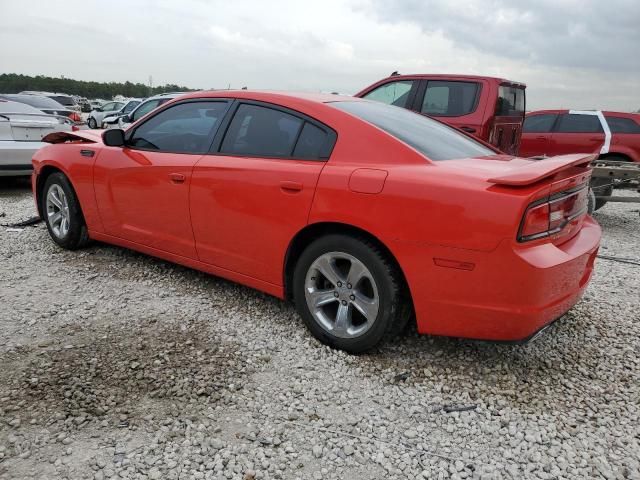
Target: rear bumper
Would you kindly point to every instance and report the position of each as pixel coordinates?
(15, 157)
(510, 294)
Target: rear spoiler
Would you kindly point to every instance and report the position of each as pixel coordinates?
(62, 137)
(542, 168)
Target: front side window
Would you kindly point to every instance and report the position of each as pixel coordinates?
(107, 107)
(452, 99)
(539, 123)
(183, 128)
(261, 131)
(622, 125)
(144, 109)
(577, 123)
(392, 93)
(511, 101)
(433, 139)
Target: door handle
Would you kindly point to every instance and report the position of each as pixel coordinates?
(177, 177)
(290, 187)
(468, 129)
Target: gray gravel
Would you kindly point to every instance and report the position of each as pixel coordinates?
(117, 365)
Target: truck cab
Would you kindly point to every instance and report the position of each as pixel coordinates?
(491, 109)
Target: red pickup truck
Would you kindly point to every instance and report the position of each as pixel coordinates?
(612, 135)
(491, 109)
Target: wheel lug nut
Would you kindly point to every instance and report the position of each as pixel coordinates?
(344, 302)
(352, 297)
(348, 285)
(336, 294)
(339, 284)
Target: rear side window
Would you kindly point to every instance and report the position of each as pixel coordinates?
(539, 123)
(261, 132)
(311, 143)
(450, 99)
(392, 93)
(576, 123)
(622, 125)
(182, 128)
(511, 101)
(433, 139)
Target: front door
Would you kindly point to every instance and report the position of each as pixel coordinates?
(254, 193)
(536, 134)
(142, 190)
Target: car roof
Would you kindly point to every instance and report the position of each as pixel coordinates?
(565, 110)
(272, 96)
(453, 76)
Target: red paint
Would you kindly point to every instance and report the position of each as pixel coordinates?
(483, 122)
(625, 145)
(236, 217)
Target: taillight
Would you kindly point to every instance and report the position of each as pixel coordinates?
(75, 117)
(551, 215)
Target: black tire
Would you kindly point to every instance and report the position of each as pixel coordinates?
(601, 187)
(92, 123)
(77, 235)
(393, 311)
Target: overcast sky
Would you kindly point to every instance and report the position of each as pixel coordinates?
(570, 53)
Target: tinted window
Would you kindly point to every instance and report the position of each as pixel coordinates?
(576, 123)
(35, 101)
(622, 125)
(429, 137)
(393, 93)
(261, 131)
(311, 143)
(511, 101)
(539, 123)
(449, 98)
(130, 106)
(63, 100)
(183, 128)
(145, 108)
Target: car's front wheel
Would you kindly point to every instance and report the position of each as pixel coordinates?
(62, 213)
(348, 293)
(92, 123)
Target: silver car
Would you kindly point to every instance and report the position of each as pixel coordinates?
(96, 115)
(21, 130)
(126, 107)
(124, 120)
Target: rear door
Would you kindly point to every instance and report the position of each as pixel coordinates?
(576, 133)
(453, 102)
(254, 192)
(536, 134)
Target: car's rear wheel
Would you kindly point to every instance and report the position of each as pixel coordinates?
(92, 123)
(62, 213)
(601, 187)
(348, 293)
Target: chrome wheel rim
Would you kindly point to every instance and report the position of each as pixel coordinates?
(58, 211)
(342, 295)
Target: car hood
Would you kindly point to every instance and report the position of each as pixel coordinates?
(516, 171)
(90, 136)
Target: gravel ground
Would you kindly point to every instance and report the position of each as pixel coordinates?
(118, 365)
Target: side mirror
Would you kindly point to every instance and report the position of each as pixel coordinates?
(113, 137)
(126, 118)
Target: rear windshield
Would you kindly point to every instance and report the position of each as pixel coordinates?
(433, 139)
(511, 101)
(36, 101)
(64, 100)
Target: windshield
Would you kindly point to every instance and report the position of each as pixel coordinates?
(433, 139)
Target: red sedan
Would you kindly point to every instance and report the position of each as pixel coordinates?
(362, 213)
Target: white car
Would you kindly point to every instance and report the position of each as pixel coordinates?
(124, 120)
(21, 130)
(96, 115)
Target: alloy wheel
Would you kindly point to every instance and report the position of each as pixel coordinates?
(58, 211)
(342, 294)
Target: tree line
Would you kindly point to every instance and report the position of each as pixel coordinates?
(16, 83)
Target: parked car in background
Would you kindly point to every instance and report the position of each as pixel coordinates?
(614, 136)
(126, 109)
(85, 106)
(44, 104)
(360, 212)
(97, 115)
(62, 98)
(96, 103)
(21, 130)
(124, 120)
(491, 109)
